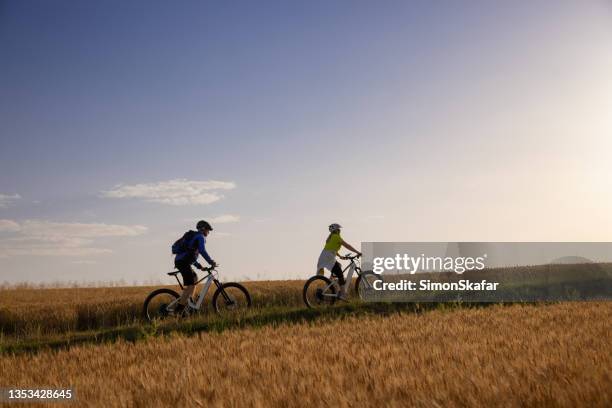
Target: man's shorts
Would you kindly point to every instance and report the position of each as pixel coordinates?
(188, 274)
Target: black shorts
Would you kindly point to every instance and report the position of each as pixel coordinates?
(188, 274)
(337, 270)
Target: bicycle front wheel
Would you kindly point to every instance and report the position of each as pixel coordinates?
(364, 286)
(319, 292)
(231, 297)
(156, 304)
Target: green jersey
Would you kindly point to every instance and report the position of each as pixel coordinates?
(334, 242)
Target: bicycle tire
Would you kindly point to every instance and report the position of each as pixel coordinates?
(152, 295)
(216, 300)
(311, 303)
(364, 275)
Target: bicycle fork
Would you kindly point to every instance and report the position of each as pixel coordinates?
(225, 295)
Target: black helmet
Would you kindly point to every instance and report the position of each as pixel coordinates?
(203, 225)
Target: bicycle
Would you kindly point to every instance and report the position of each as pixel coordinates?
(230, 296)
(320, 291)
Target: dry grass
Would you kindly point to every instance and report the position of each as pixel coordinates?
(37, 313)
(557, 355)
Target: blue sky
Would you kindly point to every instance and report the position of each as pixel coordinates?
(123, 123)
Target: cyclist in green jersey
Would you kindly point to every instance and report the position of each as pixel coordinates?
(327, 259)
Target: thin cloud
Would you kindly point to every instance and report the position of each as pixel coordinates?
(8, 199)
(219, 219)
(224, 219)
(173, 192)
(9, 225)
(84, 262)
(46, 238)
(58, 249)
(38, 228)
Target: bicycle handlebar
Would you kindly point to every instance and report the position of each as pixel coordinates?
(350, 257)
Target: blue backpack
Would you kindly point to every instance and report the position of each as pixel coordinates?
(183, 244)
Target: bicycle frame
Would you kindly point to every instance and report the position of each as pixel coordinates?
(352, 267)
(210, 278)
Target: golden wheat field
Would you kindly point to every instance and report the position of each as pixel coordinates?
(34, 312)
(511, 355)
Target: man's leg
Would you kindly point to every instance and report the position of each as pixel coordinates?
(337, 271)
(189, 280)
(187, 292)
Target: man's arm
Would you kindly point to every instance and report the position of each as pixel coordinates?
(202, 251)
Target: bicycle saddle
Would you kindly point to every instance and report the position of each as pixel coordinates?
(173, 273)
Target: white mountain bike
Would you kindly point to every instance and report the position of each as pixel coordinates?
(320, 291)
(230, 296)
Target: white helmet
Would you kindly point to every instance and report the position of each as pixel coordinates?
(334, 227)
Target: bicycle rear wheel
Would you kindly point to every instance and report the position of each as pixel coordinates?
(319, 292)
(231, 297)
(156, 304)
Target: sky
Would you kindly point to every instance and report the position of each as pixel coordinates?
(124, 123)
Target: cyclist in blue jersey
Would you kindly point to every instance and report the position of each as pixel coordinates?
(183, 261)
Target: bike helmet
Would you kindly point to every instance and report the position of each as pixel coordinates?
(334, 227)
(203, 225)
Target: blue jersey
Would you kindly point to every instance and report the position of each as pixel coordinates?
(199, 243)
